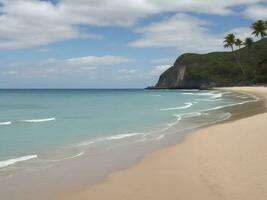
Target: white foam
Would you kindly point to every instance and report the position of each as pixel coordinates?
(160, 137)
(212, 95)
(68, 158)
(6, 163)
(5, 123)
(216, 96)
(188, 93)
(120, 136)
(242, 97)
(185, 115)
(192, 114)
(39, 120)
(82, 144)
(189, 90)
(230, 105)
(178, 118)
(187, 105)
(102, 139)
(209, 99)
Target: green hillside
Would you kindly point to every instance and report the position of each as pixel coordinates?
(218, 69)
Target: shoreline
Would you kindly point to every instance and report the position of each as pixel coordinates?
(96, 164)
(186, 171)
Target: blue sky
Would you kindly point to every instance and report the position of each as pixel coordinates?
(111, 43)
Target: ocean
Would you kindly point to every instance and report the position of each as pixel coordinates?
(39, 127)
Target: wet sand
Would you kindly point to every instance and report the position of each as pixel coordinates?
(223, 161)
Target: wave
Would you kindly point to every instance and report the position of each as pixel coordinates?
(6, 163)
(210, 100)
(120, 136)
(188, 93)
(216, 96)
(82, 144)
(189, 90)
(178, 119)
(213, 95)
(67, 158)
(230, 105)
(242, 97)
(192, 114)
(39, 120)
(184, 115)
(102, 139)
(5, 123)
(187, 105)
(160, 137)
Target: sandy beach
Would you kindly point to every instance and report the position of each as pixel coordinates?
(223, 161)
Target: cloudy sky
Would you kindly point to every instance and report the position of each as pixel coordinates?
(111, 43)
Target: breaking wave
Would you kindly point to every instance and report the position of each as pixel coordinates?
(6, 163)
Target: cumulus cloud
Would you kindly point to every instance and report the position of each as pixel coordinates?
(181, 31)
(163, 61)
(29, 23)
(70, 65)
(242, 32)
(256, 12)
(128, 71)
(157, 70)
(9, 72)
(96, 60)
(127, 12)
(186, 33)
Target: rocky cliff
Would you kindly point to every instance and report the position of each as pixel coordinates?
(218, 69)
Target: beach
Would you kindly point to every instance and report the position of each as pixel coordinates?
(224, 161)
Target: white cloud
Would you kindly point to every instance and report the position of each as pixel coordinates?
(9, 72)
(70, 65)
(127, 12)
(128, 71)
(29, 23)
(186, 33)
(96, 60)
(126, 74)
(163, 61)
(43, 50)
(157, 70)
(242, 32)
(182, 31)
(256, 12)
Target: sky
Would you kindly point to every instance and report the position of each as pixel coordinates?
(111, 43)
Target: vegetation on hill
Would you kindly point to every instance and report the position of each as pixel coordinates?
(244, 66)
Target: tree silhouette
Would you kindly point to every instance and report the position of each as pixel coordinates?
(259, 28)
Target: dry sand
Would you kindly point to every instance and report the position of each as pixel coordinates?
(224, 161)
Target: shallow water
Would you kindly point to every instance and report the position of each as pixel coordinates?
(46, 126)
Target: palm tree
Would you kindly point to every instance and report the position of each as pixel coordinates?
(248, 42)
(229, 41)
(238, 43)
(259, 28)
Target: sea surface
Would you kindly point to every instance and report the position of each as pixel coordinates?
(44, 126)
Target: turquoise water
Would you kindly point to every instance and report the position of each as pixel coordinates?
(36, 121)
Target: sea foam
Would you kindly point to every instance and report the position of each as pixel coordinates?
(103, 139)
(6, 163)
(5, 123)
(39, 120)
(187, 105)
(211, 95)
(120, 136)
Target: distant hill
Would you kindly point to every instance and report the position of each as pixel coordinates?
(218, 69)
